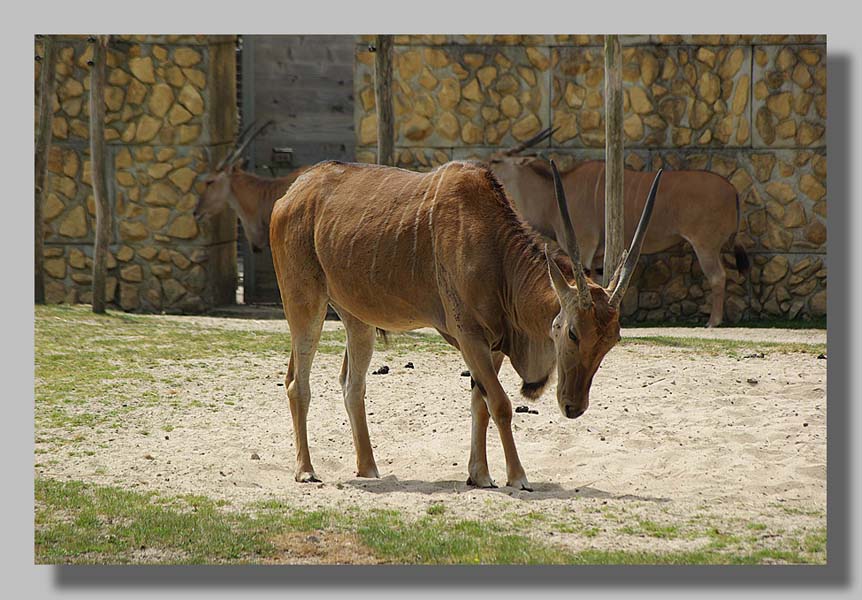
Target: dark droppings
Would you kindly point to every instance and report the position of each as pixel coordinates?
(381, 371)
(409, 365)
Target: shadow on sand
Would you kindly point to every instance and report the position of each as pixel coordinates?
(541, 491)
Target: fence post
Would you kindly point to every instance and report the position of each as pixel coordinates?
(614, 211)
(97, 169)
(43, 146)
(383, 99)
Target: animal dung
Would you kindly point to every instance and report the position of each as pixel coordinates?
(381, 371)
(465, 373)
(409, 365)
(255, 456)
(821, 356)
(526, 409)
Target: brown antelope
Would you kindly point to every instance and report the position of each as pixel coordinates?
(400, 250)
(250, 196)
(699, 207)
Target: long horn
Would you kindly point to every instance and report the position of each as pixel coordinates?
(542, 135)
(243, 145)
(631, 260)
(239, 139)
(616, 277)
(569, 243)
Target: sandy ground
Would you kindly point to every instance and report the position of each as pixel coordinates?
(671, 436)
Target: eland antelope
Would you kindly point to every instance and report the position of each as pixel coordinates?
(699, 207)
(250, 196)
(400, 250)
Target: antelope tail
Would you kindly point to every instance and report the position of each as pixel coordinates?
(743, 265)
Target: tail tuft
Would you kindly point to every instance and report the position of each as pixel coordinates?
(743, 265)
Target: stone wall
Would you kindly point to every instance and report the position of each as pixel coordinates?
(170, 102)
(751, 108)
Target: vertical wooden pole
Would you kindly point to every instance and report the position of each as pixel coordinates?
(383, 99)
(614, 225)
(43, 146)
(97, 167)
(250, 262)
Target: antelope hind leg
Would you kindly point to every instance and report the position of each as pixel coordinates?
(360, 347)
(305, 327)
(710, 264)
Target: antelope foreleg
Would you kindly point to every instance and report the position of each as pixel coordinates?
(478, 464)
(479, 360)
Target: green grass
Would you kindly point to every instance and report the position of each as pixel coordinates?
(699, 323)
(649, 528)
(438, 508)
(732, 348)
(78, 523)
(114, 359)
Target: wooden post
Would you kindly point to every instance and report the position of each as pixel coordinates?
(383, 99)
(97, 166)
(43, 146)
(614, 225)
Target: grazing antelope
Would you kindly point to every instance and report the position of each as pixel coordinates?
(699, 207)
(250, 196)
(400, 250)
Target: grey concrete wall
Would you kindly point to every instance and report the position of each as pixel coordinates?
(304, 83)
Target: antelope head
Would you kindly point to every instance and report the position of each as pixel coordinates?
(217, 193)
(588, 324)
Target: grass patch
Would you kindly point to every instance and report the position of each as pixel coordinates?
(649, 528)
(813, 323)
(112, 358)
(797, 511)
(78, 523)
(732, 348)
(438, 508)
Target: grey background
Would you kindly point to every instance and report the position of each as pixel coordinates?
(841, 578)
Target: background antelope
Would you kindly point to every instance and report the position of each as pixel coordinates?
(699, 207)
(250, 196)
(401, 250)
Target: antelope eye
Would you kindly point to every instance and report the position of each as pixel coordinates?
(573, 336)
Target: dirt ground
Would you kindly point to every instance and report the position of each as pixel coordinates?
(671, 436)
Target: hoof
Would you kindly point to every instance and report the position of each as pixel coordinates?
(521, 484)
(482, 482)
(370, 473)
(306, 477)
